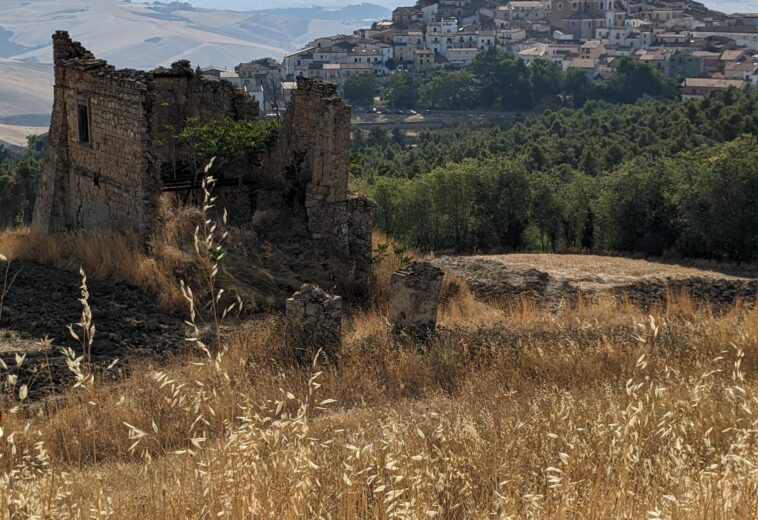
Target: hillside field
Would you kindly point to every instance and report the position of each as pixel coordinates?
(514, 409)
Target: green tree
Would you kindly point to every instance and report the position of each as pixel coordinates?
(717, 195)
(634, 80)
(546, 211)
(577, 217)
(578, 86)
(636, 211)
(451, 90)
(400, 90)
(546, 80)
(229, 139)
(361, 88)
(506, 83)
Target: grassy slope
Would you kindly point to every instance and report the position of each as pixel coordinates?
(595, 412)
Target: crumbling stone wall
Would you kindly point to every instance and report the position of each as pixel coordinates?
(180, 95)
(314, 154)
(113, 178)
(87, 184)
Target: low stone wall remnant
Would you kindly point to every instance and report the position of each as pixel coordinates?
(315, 318)
(414, 298)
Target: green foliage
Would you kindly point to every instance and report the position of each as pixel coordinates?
(18, 184)
(229, 139)
(499, 81)
(506, 82)
(634, 80)
(457, 206)
(718, 200)
(361, 88)
(451, 90)
(401, 90)
(598, 137)
(657, 177)
(635, 207)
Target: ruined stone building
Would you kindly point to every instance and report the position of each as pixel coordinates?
(112, 152)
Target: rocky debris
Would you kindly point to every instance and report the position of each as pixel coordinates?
(315, 317)
(43, 301)
(721, 294)
(414, 298)
(493, 280)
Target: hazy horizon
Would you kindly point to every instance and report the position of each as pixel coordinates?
(728, 6)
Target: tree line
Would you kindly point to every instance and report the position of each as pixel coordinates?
(19, 177)
(496, 81)
(657, 177)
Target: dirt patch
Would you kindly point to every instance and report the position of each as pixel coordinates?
(555, 279)
(44, 300)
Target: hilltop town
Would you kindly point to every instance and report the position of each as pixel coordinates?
(704, 50)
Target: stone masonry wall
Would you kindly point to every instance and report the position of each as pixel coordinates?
(414, 298)
(314, 153)
(315, 319)
(100, 183)
(114, 179)
(104, 182)
(180, 95)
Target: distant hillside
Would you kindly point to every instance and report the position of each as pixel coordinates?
(248, 5)
(26, 94)
(145, 36)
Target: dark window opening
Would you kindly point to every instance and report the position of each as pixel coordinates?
(83, 114)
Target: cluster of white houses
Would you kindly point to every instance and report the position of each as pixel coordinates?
(709, 50)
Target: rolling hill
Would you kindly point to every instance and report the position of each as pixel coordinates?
(144, 36)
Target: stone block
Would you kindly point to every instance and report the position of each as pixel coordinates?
(414, 298)
(315, 319)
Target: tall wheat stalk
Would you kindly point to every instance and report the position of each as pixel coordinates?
(85, 337)
(209, 242)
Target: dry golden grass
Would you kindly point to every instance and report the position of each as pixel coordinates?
(102, 255)
(593, 412)
(117, 256)
(512, 411)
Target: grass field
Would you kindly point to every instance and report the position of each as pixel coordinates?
(596, 411)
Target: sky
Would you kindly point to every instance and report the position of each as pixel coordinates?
(721, 5)
(733, 6)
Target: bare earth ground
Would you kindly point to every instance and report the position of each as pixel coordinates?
(552, 278)
(16, 135)
(43, 301)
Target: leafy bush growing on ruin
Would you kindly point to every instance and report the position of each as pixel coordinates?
(229, 139)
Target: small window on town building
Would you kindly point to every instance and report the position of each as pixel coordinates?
(82, 112)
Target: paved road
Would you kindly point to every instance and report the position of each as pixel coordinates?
(434, 118)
